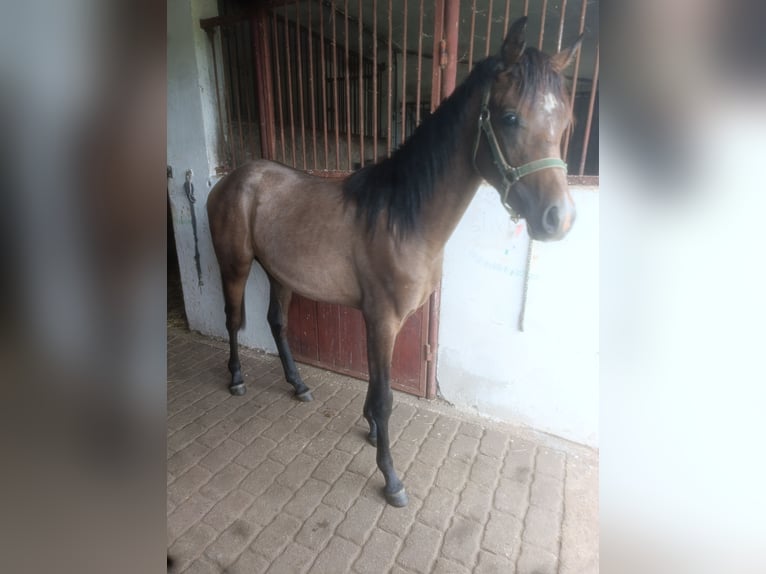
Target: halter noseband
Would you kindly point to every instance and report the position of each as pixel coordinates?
(508, 173)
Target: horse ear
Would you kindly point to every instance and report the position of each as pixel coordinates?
(561, 60)
(514, 43)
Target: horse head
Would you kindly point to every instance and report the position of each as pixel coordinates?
(524, 113)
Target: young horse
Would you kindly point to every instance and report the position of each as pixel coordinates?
(375, 241)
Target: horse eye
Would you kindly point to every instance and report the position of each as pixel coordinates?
(510, 119)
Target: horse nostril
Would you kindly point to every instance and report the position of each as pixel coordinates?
(551, 219)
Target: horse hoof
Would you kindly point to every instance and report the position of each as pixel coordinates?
(305, 396)
(397, 499)
(238, 390)
(372, 439)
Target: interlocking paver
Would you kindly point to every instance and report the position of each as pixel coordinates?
(224, 481)
(360, 519)
(319, 527)
(501, 535)
(533, 560)
(276, 536)
(378, 555)
(461, 541)
(541, 528)
(265, 483)
(420, 549)
(336, 557)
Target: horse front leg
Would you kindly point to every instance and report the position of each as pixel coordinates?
(381, 335)
(279, 303)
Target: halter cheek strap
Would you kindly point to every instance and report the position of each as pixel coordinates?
(508, 174)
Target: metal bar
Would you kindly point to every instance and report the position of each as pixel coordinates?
(526, 7)
(262, 64)
(472, 35)
(586, 136)
(390, 83)
(299, 58)
(279, 90)
(489, 29)
(507, 16)
(336, 114)
(347, 82)
(312, 93)
(361, 90)
(561, 25)
(542, 25)
(404, 72)
(227, 93)
(570, 131)
(238, 95)
(293, 161)
(420, 65)
(375, 80)
(248, 110)
(451, 27)
(436, 70)
(326, 162)
(222, 141)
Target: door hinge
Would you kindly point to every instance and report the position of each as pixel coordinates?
(443, 56)
(427, 352)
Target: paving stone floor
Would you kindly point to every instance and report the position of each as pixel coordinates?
(264, 483)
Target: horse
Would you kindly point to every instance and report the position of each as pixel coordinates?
(375, 240)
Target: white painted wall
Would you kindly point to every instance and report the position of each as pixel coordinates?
(192, 143)
(545, 376)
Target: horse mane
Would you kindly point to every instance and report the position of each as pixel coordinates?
(401, 184)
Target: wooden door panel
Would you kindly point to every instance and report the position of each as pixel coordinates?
(333, 337)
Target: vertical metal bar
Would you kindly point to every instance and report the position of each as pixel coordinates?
(561, 25)
(336, 112)
(436, 70)
(390, 82)
(542, 25)
(347, 81)
(293, 161)
(238, 93)
(404, 72)
(312, 90)
(375, 80)
(326, 164)
(361, 90)
(248, 110)
(227, 93)
(262, 64)
(570, 131)
(526, 7)
(506, 17)
(277, 56)
(489, 29)
(471, 36)
(299, 58)
(451, 24)
(211, 35)
(586, 136)
(420, 65)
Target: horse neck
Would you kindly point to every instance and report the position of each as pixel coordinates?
(457, 186)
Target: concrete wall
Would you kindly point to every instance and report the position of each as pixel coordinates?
(192, 144)
(545, 376)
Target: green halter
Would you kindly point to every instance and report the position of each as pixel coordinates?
(508, 173)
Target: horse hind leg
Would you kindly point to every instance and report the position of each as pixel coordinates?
(234, 282)
(279, 303)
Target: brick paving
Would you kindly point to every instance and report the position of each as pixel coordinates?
(264, 483)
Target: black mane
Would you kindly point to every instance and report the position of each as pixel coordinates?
(402, 183)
